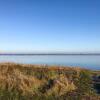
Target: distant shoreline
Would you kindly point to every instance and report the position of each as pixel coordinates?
(22, 54)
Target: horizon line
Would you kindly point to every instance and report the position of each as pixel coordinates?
(61, 53)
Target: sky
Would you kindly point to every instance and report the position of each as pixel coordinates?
(49, 25)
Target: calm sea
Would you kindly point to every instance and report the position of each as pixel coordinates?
(85, 61)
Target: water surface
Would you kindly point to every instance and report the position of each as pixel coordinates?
(85, 61)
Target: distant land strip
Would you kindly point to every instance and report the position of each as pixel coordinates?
(30, 54)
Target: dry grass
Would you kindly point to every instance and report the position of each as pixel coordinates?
(30, 81)
(11, 78)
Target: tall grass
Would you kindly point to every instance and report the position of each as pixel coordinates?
(39, 82)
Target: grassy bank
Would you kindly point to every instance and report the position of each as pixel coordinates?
(42, 82)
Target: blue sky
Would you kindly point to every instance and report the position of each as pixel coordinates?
(50, 25)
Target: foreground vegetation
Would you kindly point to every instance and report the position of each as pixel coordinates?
(42, 82)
